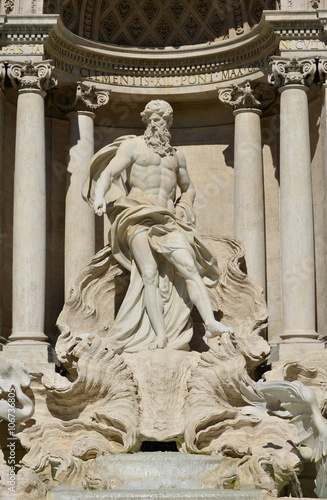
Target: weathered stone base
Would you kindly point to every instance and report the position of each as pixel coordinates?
(290, 350)
(172, 494)
(36, 356)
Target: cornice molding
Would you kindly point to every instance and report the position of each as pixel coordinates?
(298, 24)
(26, 29)
(130, 70)
(216, 56)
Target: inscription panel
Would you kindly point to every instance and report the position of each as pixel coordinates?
(22, 49)
(302, 45)
(157, 82)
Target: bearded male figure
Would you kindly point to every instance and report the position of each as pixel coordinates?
(134, 180)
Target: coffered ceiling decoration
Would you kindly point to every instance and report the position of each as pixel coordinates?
(159, 23)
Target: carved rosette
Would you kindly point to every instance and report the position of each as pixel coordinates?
(83, 98)
(293, 71)
(248, 95)
(32, 76)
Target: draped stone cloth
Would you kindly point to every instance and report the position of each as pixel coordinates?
(132, 330)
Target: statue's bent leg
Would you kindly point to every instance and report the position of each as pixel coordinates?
(185, 264)
(148, 268)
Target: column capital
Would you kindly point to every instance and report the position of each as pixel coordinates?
(82, 98)
(248, 95)
(322, 69)
(291, 71)
(29, 76)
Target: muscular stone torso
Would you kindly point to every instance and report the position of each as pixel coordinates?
(152, 177)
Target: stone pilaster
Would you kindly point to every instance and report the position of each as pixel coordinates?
(2, 99)
(320, 243)
(80, 105)
(293, 77)
(247, 100)
(29, 231)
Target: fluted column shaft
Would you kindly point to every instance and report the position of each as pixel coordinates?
(29, 231)
(79, 218)
(296, 203)
(249, 220)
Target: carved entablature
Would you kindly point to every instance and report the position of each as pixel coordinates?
(294, 71)
(247, 95)
(141, 62)
(81, 98)
(31, 76)
(18, 30)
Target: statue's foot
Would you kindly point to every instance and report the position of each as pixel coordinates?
(216, 329)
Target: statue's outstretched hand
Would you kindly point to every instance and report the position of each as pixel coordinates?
(99, 205)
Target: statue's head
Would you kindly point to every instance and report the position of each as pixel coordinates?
(163, 109)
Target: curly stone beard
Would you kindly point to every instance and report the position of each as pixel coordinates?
(158, 138)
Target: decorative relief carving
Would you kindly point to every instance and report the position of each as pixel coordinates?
(238, 17)
(247, 96)
(217, 25)
(292, 71)
(163, 28)
(82, 99)
(192, 21)
(176, 9)
(88, 19)
(191, 27)
(124, 8)
(150, 10)
(203, 7)
(32, 76)
(110, 25)
(9, 6)
(69, 15)
(136, 28)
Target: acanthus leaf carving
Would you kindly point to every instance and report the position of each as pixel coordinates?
(32, 76)
(294, 71)
(83, 98)
(247, 95)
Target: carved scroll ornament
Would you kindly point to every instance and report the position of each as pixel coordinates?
(32, 76)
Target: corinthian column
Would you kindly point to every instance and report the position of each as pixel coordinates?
(80, 105)
(29, 231)
(293, 77)
(249, 224)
